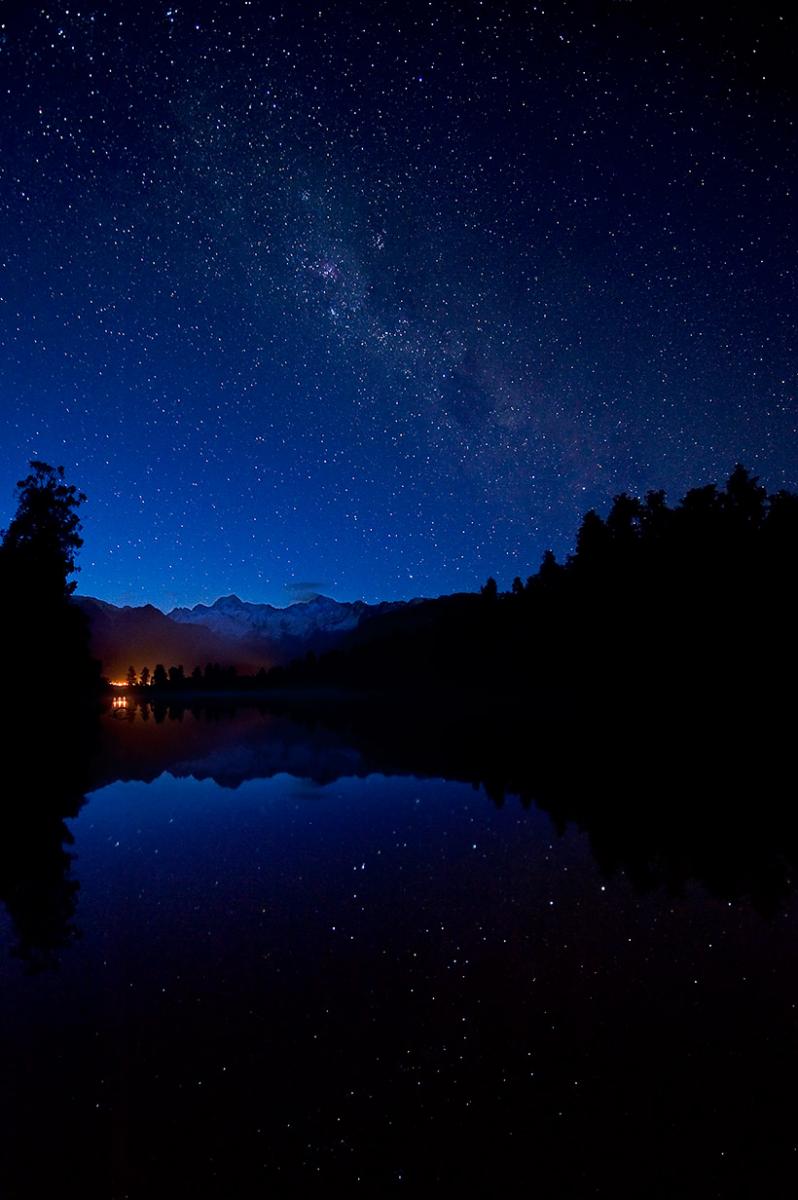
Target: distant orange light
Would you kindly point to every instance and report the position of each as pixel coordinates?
(119, 683)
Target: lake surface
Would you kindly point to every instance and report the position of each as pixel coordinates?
(283, 968)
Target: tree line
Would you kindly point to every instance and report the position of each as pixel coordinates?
(684, 600)
(212, 678)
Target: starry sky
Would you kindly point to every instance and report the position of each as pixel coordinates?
(376, 299)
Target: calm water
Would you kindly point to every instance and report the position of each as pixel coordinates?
(284, 968)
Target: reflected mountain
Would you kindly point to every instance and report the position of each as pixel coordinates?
(222, 740)
(663, 801)
(664, 798)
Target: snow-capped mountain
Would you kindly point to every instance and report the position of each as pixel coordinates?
(229, 631)
(308, 624)
(143, 636)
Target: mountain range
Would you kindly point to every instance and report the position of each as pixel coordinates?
(230, 631)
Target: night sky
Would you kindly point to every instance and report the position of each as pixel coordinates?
(377, 299)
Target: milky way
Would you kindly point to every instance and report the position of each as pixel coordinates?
(385, 296)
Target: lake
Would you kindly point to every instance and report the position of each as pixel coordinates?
(250, 951)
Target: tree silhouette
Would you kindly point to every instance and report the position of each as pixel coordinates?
(550, 570)
(40, 544)
(45, 630)
(592, 541)
(744, 500)
(490, 590)
(623, 522)
(176, 676)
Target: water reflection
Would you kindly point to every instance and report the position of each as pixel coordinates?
(664, 798)
(37, 885)
(347, 945)
(662, 804)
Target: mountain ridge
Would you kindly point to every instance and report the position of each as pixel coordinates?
(315, 617)
(230, 631)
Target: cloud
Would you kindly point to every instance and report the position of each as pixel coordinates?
(303, 589)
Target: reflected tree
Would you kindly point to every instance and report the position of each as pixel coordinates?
(36, 882)
(46, 637)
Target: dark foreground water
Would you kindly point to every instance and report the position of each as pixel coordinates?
(284, 969)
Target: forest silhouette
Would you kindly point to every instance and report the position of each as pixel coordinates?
(691, 604)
